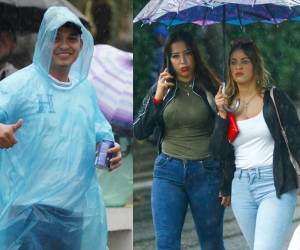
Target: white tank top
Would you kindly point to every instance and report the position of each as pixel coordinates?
(254, 145)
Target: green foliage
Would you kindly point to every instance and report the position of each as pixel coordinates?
(142, 55)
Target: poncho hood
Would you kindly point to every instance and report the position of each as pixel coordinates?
(53, 19)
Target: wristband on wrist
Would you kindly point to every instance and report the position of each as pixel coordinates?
(156, 100)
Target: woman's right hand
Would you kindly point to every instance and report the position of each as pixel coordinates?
(163, 84)
(225, 200)
(221, 100)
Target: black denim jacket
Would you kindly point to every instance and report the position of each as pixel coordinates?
(285, 178)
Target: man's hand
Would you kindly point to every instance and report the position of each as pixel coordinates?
(115, 162)
(8, 134)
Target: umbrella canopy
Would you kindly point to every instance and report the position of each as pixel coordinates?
(111, 73)
(205, 12)
(26, 15)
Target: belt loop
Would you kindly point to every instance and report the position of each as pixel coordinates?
(257, 170)
(184, 163)
(240, 173)
(200, 162)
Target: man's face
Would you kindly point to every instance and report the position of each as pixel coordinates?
(7, 46)
(66, 49)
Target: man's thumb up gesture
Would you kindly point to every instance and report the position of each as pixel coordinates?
(8, 134)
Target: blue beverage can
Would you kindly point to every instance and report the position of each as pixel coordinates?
(102, 157)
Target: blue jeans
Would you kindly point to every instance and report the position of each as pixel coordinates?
(177, 184)
(263, 218)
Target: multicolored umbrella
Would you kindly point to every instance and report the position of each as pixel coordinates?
(111, 73)
(208, 12)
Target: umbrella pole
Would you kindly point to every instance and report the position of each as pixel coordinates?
(224, 41)
(237, 104)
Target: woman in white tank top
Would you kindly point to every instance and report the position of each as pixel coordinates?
(263, 182)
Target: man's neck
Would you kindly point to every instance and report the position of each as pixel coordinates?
(62, 76)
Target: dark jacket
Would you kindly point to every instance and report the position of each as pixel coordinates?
(285, 178)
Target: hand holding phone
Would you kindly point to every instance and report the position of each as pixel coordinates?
(221, 100)
(164, 83)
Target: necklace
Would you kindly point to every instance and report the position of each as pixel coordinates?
(245, 104)
(187, 86)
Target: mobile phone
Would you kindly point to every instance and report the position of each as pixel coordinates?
(170, 69)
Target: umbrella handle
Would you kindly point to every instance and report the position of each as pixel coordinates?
(236, 105)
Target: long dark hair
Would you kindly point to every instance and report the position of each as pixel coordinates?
(203, 74)
(252, 52)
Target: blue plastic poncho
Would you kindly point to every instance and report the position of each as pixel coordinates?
(49, 190)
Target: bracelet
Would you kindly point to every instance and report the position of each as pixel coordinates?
(156, 100)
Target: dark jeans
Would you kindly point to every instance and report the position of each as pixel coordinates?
(42, 227)
(177, 184)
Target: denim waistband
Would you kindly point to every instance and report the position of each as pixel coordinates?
(184, 161)
(249, 171)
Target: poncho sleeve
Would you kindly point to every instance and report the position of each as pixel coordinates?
(102, 127)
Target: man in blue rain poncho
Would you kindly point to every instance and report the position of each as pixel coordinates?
(49, 126)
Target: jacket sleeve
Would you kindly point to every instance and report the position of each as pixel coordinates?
(147, 117)
(228, 167)
(289, 120)
(223, 151)
(219, 139)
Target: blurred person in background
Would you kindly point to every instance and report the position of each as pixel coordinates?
(102, 16)
(160, 34)
(8, 42)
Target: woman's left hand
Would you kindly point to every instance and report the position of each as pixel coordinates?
(115, 162)
(225, 200)
(221, 100)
